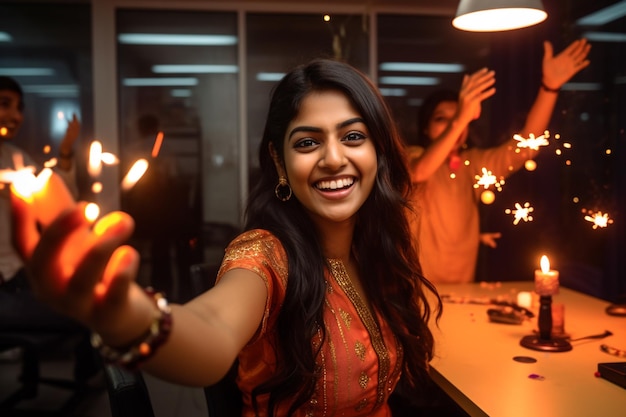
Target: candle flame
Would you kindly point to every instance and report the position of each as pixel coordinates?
(92, 211)
(134, 174)
(108, 158)
(3, 131)
(95, 159)
(157, 145)
(545, 264)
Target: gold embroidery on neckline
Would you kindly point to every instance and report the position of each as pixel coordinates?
(338, 271)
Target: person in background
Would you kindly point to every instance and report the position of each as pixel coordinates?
(320, 301)
(19, 309)
(445, 221)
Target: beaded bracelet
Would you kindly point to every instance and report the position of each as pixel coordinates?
(132, 355)
(548, 89)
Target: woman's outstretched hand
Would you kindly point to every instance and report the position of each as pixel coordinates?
(557, 70)
(79, 268)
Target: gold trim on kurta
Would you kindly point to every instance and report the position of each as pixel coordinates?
(338, 270)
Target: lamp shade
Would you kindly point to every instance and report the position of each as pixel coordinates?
(498, 15)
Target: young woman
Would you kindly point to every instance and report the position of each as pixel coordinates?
(321, 301)
(444, 168)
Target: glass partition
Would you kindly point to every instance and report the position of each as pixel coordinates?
(47, 50)
(278, 42)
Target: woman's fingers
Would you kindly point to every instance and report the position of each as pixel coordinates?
(25, 232)
(47, 265)
(120, 272)
(97, 249)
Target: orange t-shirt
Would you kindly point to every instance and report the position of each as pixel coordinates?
(360, 362)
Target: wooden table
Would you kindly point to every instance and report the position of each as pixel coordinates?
(474, 358)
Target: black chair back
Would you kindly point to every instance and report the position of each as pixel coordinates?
(128, 393)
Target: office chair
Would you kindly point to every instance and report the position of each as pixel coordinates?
(33, 346)
(128, 393)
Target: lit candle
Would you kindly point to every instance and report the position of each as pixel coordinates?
(546, 279)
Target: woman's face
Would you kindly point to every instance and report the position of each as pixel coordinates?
(329, 158)
(11, 116)
(441, 117)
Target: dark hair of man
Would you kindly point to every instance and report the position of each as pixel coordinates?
(8, 83)
(382, 242)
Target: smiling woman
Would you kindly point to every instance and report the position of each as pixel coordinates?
(320, 302)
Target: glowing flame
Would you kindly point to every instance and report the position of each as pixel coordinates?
(96, 187)
(108, 158)
(95, 159)
(157, 145)
(92, 211)
(25, 183)
(134, 174)
(545, 264)
(3, 131)
(521, 212)
(598, 219)
(531, 142)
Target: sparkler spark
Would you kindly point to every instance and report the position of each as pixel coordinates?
(487, 179)
(531, 142)
(134, 174)
(521, 212)
(598, 219)
(157, 145)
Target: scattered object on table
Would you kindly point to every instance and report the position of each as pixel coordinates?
(448, 298)
(616, 310)
(537, 377)
(614, 372)
(506, 315)
(606, 333)
(613, 351)
(524, 359)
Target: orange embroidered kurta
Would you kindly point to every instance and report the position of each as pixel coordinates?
(360, 362)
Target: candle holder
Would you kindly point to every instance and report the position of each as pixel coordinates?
(546, 285)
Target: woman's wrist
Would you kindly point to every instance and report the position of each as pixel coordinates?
(141, 348)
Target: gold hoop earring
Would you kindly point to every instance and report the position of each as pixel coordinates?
(283, 189)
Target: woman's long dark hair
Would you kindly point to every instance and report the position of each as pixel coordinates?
(382, 242)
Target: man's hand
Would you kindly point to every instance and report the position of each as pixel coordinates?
(557, 70)
(489, 239)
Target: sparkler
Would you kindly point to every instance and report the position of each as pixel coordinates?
(487, 179)
(521, 212)
(531, 142)
(599, 219)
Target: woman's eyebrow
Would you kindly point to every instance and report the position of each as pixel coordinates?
(319, 130)
(304, 129)
(350, 122)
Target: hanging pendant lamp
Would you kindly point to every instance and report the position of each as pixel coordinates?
(498, 15)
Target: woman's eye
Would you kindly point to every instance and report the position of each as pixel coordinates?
(305, 143)
(440, 119)
(354, 136)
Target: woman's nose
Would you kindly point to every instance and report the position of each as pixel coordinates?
(334, 156)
